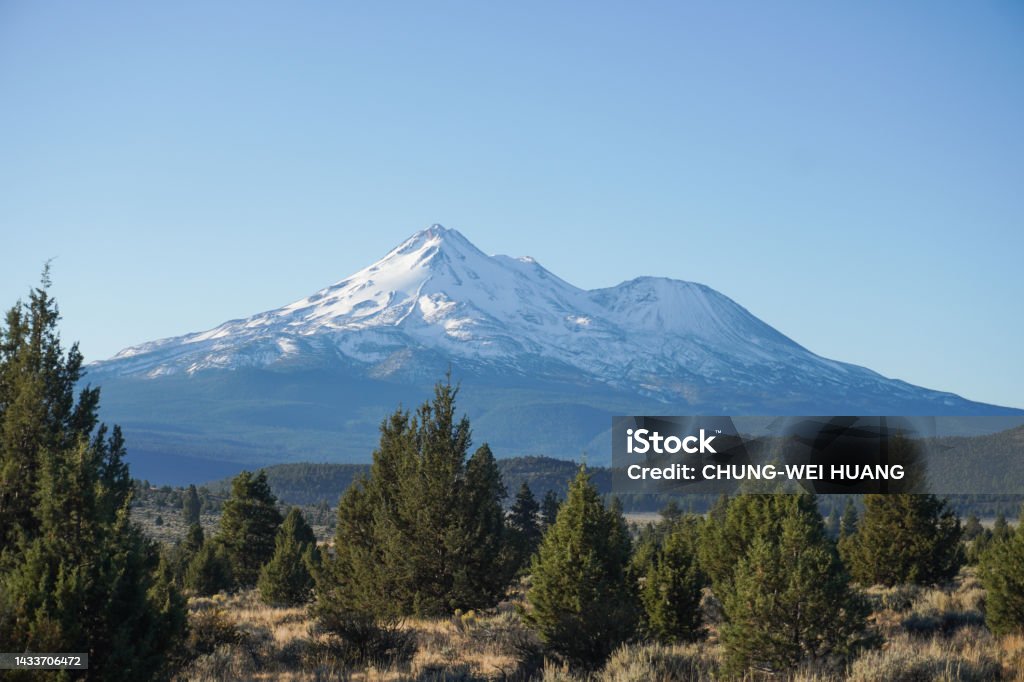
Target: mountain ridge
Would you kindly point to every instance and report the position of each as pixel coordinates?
(521, 339)
(437, 291)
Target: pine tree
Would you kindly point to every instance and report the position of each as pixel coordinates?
(287, 580)
(190, 506)
(75, 573)
(904, 538)
(524, 526)
(583, 601)
(248, 526)
(194, 539)
(1002, 574)
(549, 506)
(733, 525)
(832, 523)
(1001, 529)
(209, 571)
(790, 600)
(848, 522)
(38, 410)
(847, 543)
(423, 534)
(671, 593)
(671, 511)
(972, 528)
(487, 561)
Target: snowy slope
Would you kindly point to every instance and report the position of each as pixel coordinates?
(436, 297)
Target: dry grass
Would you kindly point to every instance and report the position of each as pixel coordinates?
(251, 641)
(929, 634)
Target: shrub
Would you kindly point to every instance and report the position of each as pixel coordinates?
(208, 630)
(898, 598)
(1002, 573)
(658, 662)
(936, 611)
(209, 571)
(905, 660)
(226, 662)
(363, 640)
(287, 579)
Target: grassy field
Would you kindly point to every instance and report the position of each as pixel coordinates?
(928, 634)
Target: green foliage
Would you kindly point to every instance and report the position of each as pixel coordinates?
(487, 556)
(734, 523)
(583, 600)
(248, 527)
(424, 533)
(287, 579)
(209, 571)
(790, 600)
(848, 522)
(194, 539)
(904, 538)
(972, 528)
(362, 640)
(524, 527)
(190, 506)
(75, 573)
(38, 410)
(1002, 574)
(672, 587)
(549, 509)
(175, 560)
(1001, 529)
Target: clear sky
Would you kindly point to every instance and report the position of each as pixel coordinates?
(852, 173)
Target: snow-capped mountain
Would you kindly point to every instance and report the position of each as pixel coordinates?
(436, 292)
(436, 301)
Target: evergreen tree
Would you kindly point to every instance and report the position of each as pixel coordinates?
(549, 506)
(488, 563)
(423, 534)
(190, 506)
(734, 523)
(583, 601)
(75, 573)
(38, 410)
(524, 526)
(1001, 529)
(972, 528)
(790, 600)
(848, 522)
(349, 595)
(287, 580)
(847, 543)
(671, 511)
(672, 589)
(904, 538)
(175, 560)
(1002, 574)
(209, 571)
(194, 539)
(833, 523)
(248, 526)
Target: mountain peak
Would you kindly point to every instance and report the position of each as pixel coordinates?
(432, 241)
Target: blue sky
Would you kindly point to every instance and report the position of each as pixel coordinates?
(851, 173)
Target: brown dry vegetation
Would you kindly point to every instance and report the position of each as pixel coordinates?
(928, 634)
